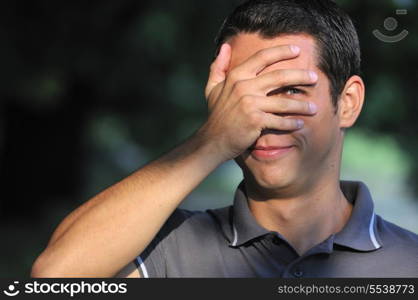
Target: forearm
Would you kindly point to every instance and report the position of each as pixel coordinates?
(112, 228)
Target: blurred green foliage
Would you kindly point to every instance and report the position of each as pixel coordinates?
(93, 90)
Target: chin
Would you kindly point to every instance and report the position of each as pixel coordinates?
(274, 175)
(271, 178)
(273, 183)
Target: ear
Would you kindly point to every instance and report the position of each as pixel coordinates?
(351, 101)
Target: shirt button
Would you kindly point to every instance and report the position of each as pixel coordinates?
(298, 273)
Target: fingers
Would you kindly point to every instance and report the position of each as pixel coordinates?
(267, 108)
(218, 68)
(261, 60)
(282, 78)
(275, 105)
(271, 121)
(274, 80)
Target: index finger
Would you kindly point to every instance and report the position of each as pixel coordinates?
(264, 58)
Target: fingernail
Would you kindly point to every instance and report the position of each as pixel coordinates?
(295, 49)
(313, 75)
(300, 123)
(313, 108)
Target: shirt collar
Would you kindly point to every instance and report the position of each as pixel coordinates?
(359, 233)
(244, 225)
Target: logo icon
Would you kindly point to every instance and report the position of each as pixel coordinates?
(391, 24)
(11, 291)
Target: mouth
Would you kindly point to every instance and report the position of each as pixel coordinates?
(270, 152)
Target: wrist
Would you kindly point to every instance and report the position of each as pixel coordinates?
(208, 147)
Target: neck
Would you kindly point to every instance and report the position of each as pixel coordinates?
(304, 219)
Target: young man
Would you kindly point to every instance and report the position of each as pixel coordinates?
(282, 90)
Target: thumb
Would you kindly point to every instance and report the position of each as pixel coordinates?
(218, 68)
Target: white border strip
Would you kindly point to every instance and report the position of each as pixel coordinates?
(371, 232)
(234, 243)
(143, 268)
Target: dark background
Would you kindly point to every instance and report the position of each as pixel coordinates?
(92, 90)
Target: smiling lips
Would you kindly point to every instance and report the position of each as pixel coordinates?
(270, 152)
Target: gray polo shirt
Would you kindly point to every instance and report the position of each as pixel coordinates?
(228, 242)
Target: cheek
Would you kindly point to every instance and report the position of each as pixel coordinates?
(321, 131)
(324, 125)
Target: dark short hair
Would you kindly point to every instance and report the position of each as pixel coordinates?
(331, 27)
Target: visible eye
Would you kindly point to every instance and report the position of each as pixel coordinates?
(287, 90)
(292, 91)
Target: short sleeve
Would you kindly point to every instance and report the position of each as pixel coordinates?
(151, 263)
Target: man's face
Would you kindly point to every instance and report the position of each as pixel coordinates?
(317, 146)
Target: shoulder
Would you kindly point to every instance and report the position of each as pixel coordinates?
(395, 236)
(186, 222)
